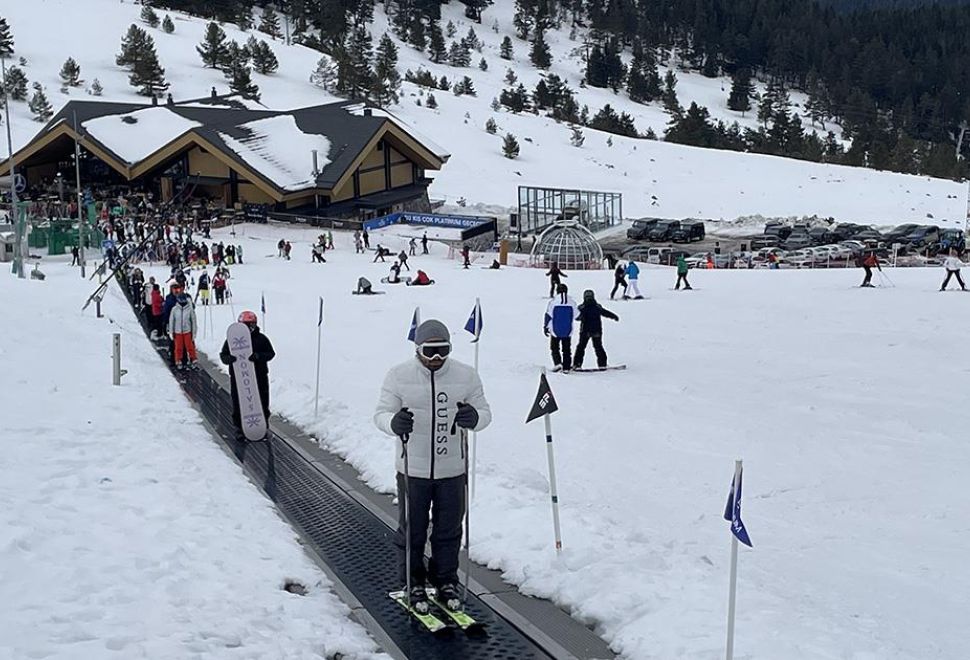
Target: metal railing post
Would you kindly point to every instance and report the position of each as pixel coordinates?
(116, 371)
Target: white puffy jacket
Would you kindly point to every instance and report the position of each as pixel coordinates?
(182, 319)
(952, 263)
(433, 397)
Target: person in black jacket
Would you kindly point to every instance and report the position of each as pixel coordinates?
(619, 279)
(554, 274)
(591, 315)
(262, 354)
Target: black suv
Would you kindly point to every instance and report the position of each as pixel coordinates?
(780, 231)
(640, 229)
(688, 232)
(662, 230)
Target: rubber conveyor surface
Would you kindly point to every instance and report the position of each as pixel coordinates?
(354, 543)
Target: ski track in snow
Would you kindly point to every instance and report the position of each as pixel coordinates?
(846, 405)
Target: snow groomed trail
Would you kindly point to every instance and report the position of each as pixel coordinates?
(354, 545)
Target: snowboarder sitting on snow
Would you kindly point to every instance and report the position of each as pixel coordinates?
(364, 287)
(619, 279)
(262, 354)
(554, 274)
(421, 279)
(591, 315)
(868, 264)
(422, 401)
(495, 265)
(953, 265)
(558, 326)
(682, 269)
(181, 328)
(395, 276)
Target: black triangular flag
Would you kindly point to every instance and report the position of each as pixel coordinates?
(545, 403)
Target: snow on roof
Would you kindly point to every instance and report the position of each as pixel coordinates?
(280, 151)
(439, 151)
(137, 135)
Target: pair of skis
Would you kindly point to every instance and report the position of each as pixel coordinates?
(434, 624)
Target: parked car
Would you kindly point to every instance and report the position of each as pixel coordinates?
(797, 241)
(952, 239)
(663, 230)
(899, 234)
(869, 235)
(688, 232)
(778, 230)
(766, 241)
(640, 229)
(923, 236)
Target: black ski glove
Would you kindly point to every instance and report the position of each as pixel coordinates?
(403, 422)
(467, 416)
(227, 359)
(254, 357)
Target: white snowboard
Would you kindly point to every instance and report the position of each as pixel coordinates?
(250, 407)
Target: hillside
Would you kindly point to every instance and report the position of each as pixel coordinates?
(657, 178)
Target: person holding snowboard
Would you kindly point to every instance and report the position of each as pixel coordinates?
(633, 272)
(263, 353)
(554, 274)
(619, 279)
(682, 269)
(867, 264)
(590, 314)
(558, 326)
(181, 328)
(422, 403)
(952, 264)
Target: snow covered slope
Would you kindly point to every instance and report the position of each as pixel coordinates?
(656, 178)
(848, 406)
(125, 532)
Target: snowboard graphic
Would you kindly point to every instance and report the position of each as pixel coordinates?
(250, 407)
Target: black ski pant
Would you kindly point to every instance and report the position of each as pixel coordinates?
(682, 277)
(620, 282)
(868, 278)
(553, 283)
(262, 386)
(584, 338)
(441, 502)
(949, 274)
(562, 351)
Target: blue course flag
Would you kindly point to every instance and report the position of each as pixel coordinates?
(414, 326)
(474, 324)
(732, 512)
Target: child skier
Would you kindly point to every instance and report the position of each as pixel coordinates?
(952, 264)
(590, 316)
(558, 326)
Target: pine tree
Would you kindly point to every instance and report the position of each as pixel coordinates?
(417, 34)
(147, 75)
(212, 50)
(250, 47)
(6, 39)
(96, 88)
(431, 102)
(467, 86)
(236, 69)
(491, 126)
(671, 104)
(71, 73)
(387, 81)
(510, 77)
(325, 75)
(539, 55)
(510, 146)
(443, 84)
(167, 25)
(450, 30)
(482, 64)
(472, 41)
(516, 100)
(244, 19)
(577, 138)
(459, 54)
(131, 46)
(354, 74)
(505, 50)
(495, 105)
(16, 84)
(269, 22)
(741, 90)
(473, 9)
(149, 16)
(436, 43)
(523, 20)
(264, 61)
(39, 105)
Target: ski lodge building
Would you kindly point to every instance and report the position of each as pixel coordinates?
(339, 160)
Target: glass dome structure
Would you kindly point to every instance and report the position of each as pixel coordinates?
(570, 244)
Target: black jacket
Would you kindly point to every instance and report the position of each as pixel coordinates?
(262, 351)
(591, 318)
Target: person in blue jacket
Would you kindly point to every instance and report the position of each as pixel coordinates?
(558, 326)
(633, 274)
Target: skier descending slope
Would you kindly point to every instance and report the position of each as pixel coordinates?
(867, 264)
(263, 353)
(558, 326)
(422, 401)
(591, 315)
(952, 264)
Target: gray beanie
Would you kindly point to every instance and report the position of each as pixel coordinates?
(431, 329)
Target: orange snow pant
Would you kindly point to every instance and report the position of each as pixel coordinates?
(184, 343)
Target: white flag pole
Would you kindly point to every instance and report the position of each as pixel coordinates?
(734, 565)
(553, 489)
(474, 442)
(316, 398)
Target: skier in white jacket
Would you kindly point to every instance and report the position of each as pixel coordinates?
(181, 328)
(422, 402)
(953, 265)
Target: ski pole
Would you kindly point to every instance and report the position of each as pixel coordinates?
(407, 521)
(468, 534)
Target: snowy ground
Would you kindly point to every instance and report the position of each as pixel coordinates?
(125, 532)
(847, 405)
(656, 178)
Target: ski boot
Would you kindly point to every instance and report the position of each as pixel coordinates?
(418, 598)
(448, 596)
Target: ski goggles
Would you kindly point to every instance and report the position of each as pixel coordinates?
(435, 349)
